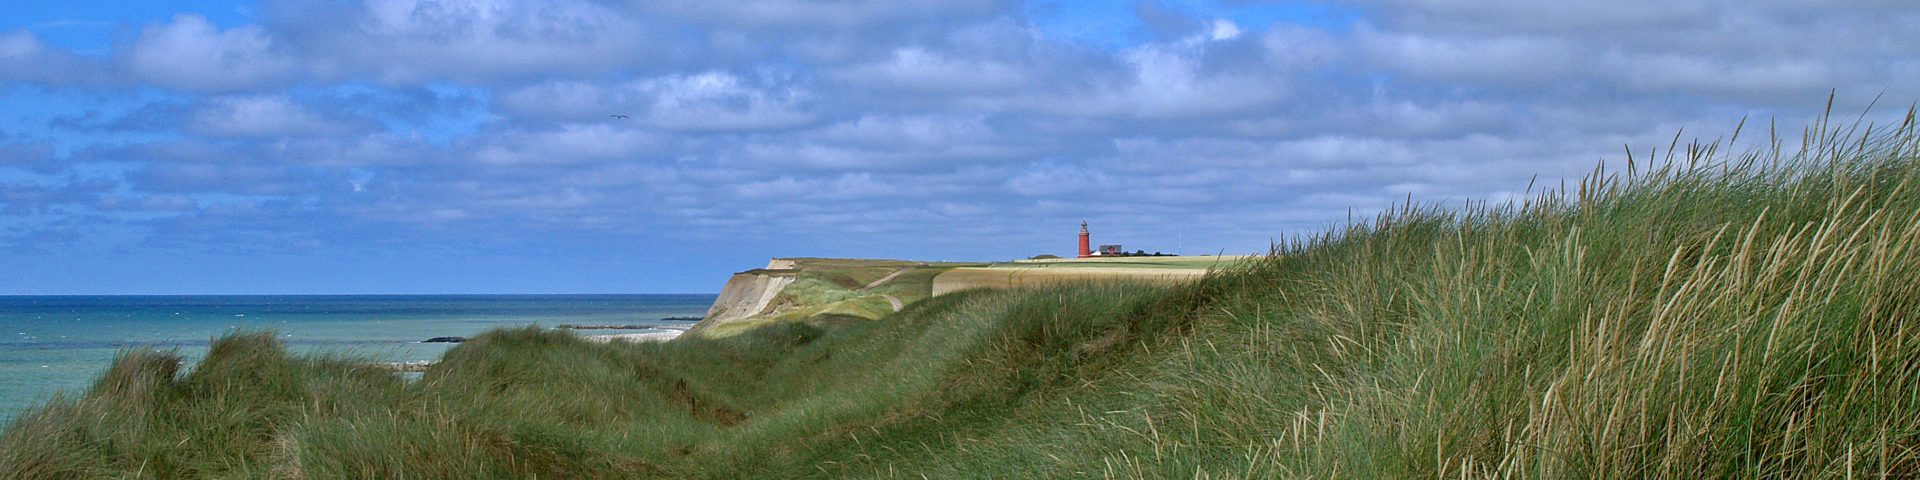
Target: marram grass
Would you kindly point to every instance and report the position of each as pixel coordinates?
(1714, 314)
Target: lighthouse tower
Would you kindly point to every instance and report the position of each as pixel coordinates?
(1086, 242)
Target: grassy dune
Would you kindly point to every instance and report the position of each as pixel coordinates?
(1716, 315)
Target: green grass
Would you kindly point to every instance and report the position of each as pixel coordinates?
(1718, 314)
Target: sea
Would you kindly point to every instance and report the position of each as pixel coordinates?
(51, 344)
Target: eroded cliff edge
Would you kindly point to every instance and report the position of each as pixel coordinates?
(832, 290)
(747, 294)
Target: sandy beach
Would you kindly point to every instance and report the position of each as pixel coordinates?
(636, 337)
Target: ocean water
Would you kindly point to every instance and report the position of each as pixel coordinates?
(61, 343)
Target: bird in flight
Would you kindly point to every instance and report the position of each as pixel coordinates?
(618, 116)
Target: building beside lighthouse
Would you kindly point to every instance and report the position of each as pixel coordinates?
(1109, 250)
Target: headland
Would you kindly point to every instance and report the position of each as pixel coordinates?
(838, 290)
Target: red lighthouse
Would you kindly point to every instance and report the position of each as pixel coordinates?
(1086, 243)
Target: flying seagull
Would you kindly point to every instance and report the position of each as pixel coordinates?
(618, 116)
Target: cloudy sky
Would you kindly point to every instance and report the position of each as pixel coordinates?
(467, 146)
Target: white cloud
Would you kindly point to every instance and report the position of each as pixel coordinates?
(885, 143)
(1528, 16)
(720, 101)
(25, 58)
(18, 45)
(191, 53)
(1750, 51)
(703, 102)
(265, 116)
(1681, 73)
(1194, 77)
(920, 69)
(861, 186)
(567, 145)
(570, 100)
(1170, 82)
(1056, 181)
(911, 131)
(827, 15)
(428, 40)
(1224, 29)
(1502, 60)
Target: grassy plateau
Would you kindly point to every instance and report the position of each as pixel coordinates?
(1706, 313)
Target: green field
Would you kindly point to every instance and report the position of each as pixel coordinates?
(1201, 262)
(1721, 313)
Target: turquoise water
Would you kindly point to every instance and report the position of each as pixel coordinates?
(52, 344)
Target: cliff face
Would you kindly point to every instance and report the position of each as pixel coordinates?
(804, 289)
(747, 294)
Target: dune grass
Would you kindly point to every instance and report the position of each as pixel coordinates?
(1716, 314)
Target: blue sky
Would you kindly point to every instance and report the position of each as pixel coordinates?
(467, 146)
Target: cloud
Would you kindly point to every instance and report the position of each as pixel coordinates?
(192, 54)
(20, 198)
(254, 179)
(19, 44)
(845, 187)
(704, 102)
(1523, 16)
(25, 58)
(571, 144)
(911, 132)
(1746, 52)
(828, 15)
(1060, 181)
(885, 143)
(963, 129)
(1507, 60)
(24, 153)
(1173, 81)
(155, 116)
(425, 40)
(1676, 73)
(276, 116)
(920, 70)
(719, 101)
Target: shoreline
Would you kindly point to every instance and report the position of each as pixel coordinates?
(635, 337)
(416, 366)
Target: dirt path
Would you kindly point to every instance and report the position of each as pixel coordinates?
(897, 304)
(884, 279)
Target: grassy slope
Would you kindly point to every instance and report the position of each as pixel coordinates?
(1753, 317)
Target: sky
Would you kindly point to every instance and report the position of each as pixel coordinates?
(471, 146)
